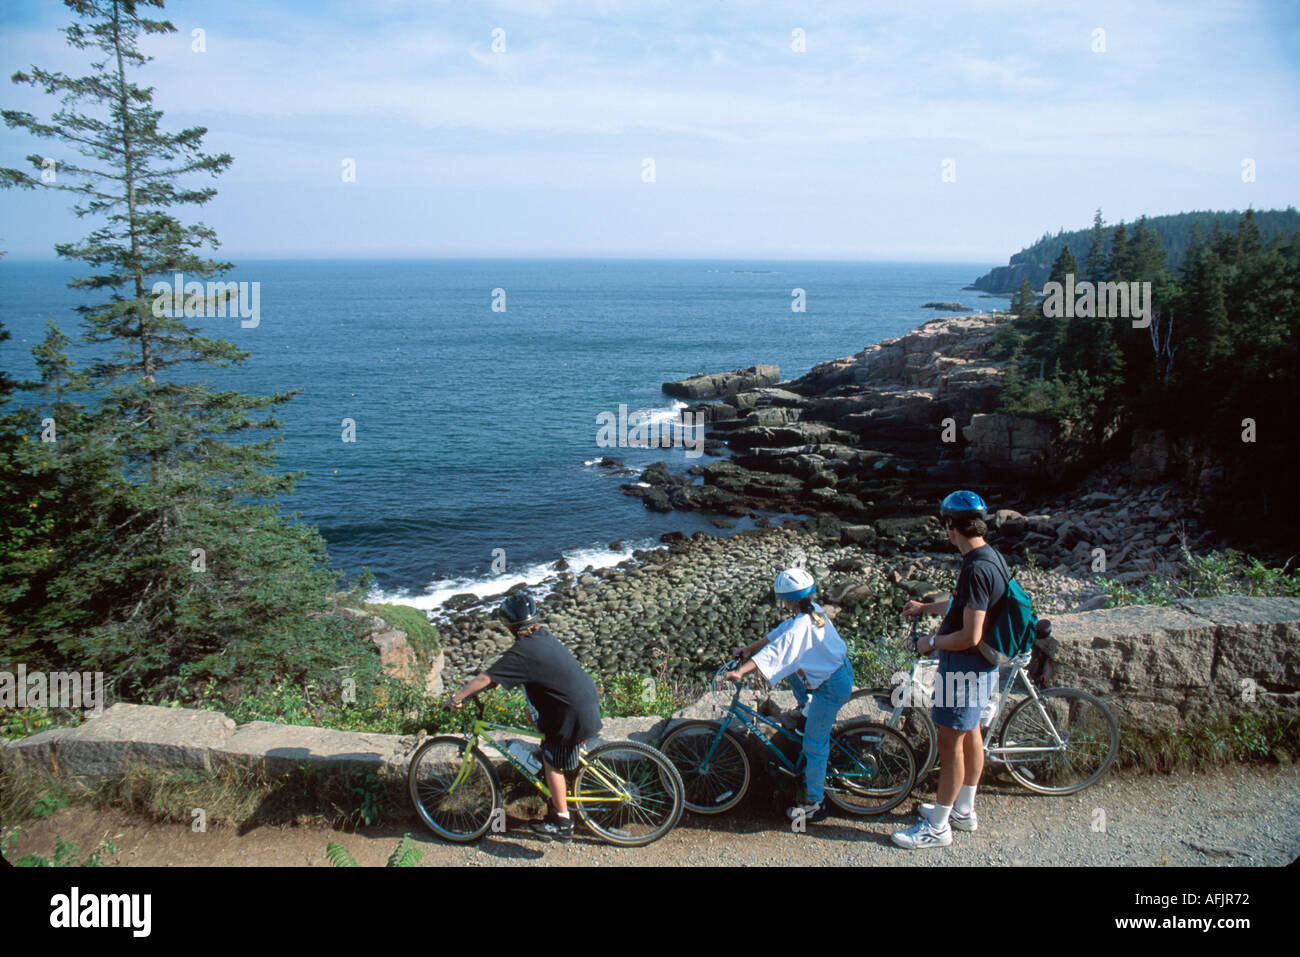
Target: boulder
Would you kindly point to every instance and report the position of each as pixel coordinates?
(705, 386)
(1009, 442)
(863, 535)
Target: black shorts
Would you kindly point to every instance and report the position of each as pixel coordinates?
(561, 755)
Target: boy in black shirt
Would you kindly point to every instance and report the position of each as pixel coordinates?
(561, 695)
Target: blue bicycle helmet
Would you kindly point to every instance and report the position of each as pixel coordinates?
(518, 611)
(963, 505)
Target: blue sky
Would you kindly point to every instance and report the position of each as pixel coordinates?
(759, 151)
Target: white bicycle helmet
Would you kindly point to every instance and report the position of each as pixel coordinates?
(793, 584)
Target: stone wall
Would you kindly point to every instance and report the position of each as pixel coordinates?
(1159, 667)
(1156, 667)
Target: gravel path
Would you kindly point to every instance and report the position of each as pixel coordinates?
(1234, 816)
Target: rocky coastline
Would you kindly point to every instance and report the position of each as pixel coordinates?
(862, 448)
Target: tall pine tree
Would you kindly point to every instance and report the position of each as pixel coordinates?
(168, 563)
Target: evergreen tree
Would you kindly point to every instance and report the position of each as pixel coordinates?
(163, 565)
(1024, 302)
(1094, 263)
(1045, 333)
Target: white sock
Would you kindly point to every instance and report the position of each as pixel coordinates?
(562, 817)
(965, 800)
(939, 816)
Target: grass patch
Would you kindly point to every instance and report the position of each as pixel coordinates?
(1210, 575)
(421, 633)
(231, 795)
(1248, 737)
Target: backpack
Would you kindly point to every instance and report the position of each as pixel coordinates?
(1016, 628)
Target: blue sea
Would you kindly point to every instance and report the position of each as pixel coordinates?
(476, 429)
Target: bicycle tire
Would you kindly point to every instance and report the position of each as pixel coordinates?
(872, 768)
(914, 724)
(651, 803)
(462, 816)
(1089, 731)
(722, 785)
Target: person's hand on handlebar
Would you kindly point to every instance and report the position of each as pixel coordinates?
(738, 671)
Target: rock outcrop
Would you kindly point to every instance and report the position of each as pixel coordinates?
(858, 438)
(706, 386)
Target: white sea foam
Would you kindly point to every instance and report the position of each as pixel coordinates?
(673, 414)
(531, 575)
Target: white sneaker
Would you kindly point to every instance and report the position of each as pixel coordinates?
(959, 822)
(923, 834)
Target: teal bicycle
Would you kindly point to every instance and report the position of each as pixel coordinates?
(871, 768)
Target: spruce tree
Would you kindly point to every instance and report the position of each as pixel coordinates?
(1094, 262)
(168, 565)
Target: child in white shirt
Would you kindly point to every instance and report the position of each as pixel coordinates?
(808, 653)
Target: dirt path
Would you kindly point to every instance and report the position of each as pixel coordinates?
(1235, 816)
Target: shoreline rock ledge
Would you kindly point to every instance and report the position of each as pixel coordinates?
(715, 385)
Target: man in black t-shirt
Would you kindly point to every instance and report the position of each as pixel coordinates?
(966, 679)
(562, 697)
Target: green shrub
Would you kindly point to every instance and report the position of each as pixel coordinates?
(1209, 575)
(627, 695)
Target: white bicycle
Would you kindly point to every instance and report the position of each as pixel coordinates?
(1052, 740)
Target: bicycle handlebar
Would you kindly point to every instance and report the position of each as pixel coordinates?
(731, 665)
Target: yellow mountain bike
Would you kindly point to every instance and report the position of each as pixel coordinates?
(625, 792)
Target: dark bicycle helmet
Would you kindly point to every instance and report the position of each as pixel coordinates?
(518, 611)
(963, 505)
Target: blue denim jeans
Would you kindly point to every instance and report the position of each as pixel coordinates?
(826, 701)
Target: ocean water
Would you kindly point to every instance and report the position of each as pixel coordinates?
(476, 429)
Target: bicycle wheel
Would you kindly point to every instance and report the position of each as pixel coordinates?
(628, 793)
(872, 768)
(1089, 734)
(715, 786)
(876, 704)
(454, 794)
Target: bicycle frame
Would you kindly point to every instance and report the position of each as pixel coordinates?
(997, 754)
(742, 713)
(481, 730)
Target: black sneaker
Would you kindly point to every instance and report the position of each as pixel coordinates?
(811, 813)
(551, 828)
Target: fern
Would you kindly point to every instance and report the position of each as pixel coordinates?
(338, 855)
(406, 854)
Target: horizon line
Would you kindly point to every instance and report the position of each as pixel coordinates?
(20, 257)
